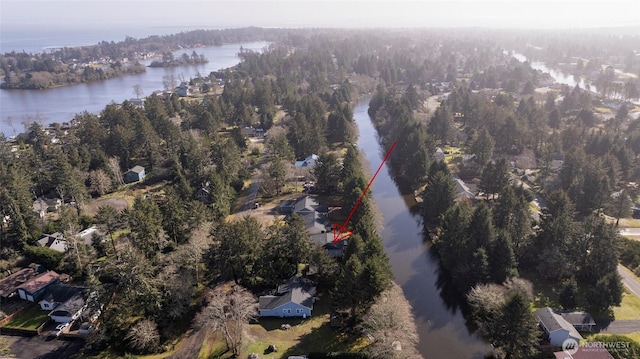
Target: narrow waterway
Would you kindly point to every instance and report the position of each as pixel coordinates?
(441, 326)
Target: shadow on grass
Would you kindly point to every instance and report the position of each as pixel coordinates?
(270, 324)
(322, 339)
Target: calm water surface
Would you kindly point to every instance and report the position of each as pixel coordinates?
(63, 103)
(442, 330)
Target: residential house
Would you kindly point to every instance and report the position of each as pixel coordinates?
(42, 205)
(53, 204)
(302, 206)
(316, 222)
(309, 162)
(588, 351)
(54, 241)
(70, 310)
(462, 190)
(252, 132)
(439, 155)
(293, 299)
(325, 240)
(35, 287)
(134, 175)
(137, 102)
(556, 327)
(88, 234)
(580, 320)
(57, 294)
(203, 194)
(40, 208)
(9, 285)
(183, 89)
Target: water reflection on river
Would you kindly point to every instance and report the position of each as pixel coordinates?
(441, 327)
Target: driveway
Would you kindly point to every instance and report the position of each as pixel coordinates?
(629, 280)
(617, 326)
(39, 347)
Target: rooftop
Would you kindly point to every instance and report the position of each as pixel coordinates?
(11, 283)
(295, 290)
(554, 321)
(37, 283)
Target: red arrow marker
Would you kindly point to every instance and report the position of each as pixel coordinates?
(341, 232)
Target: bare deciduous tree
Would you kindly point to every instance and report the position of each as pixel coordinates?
(100, 182)
(390, 322)
(229, 310)
(114, 167)
(144, 336)
(169, 82)
(137, 90)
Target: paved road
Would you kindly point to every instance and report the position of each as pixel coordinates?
(617, 327)
(629, 280)
(630, 231)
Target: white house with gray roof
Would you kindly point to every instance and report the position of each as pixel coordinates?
(557, 328)
(294, 298)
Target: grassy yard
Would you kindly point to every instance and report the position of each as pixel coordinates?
(30, 319)
(306, 335)
(545, 296)
(629, 307)
(629, 223)
(635, 336)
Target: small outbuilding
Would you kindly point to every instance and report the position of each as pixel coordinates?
(135, 174)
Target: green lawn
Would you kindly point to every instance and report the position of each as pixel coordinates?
(629, 307)
(306, 335)
(30, 319)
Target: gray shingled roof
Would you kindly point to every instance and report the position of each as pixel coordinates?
(578, 318)
(60, 293)
(70, 306)
(305, 204)
(554, 321)
(294, 291)
(315, 223)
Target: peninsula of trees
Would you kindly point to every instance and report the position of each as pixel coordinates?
(106, 60)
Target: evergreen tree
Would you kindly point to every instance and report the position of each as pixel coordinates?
(438, 197)
(517, 332)
(482, 146)
(327, 173)
(502, 258)
(569, 294)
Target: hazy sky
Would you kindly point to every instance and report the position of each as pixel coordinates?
(322, 13)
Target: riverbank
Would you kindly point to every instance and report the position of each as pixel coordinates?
(441, 327)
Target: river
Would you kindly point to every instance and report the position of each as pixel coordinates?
(441, 327)
(63, 103)
(558, 76)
